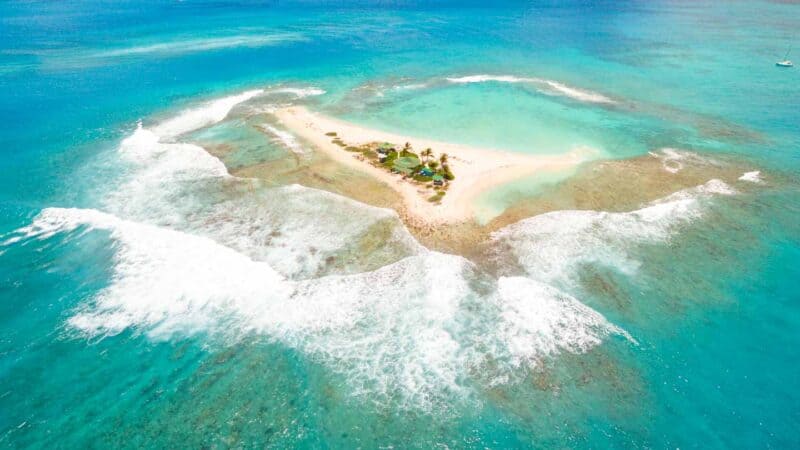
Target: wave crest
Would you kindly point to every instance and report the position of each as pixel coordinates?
(543, 85)
(551, 246)
(412, 332)
(194, 118)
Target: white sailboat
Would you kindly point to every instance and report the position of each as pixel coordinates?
(785, 62)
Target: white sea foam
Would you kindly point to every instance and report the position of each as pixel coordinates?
(299, 231)
(179, 185)
(543, 85)
(577, 94)
(184, 187)
(298, 92)
(380, 90)
(551, 247)
(410, 86)
(753, 177)
(285, 138)
(194, 118)
(673, 160)
(670, 159)
(411, 333)
(159, 172)
(485, 78)
(160, 164)
(537, 320)
(178, 160)
(200, 45)
(166, 281)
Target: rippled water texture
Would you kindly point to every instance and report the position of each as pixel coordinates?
(180, 270)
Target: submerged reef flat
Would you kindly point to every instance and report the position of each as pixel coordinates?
(329, 154)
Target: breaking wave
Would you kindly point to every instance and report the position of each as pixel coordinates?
(285, 138)
(414, 329)
(207, 114)
(298, 92)
(550, 247)
(752, 177)
(545, 86)
(181, 186)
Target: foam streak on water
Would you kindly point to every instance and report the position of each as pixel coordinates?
(285, 138)
(545, 86)
(298, 92)
(200, 45)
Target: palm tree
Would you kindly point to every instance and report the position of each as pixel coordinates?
(427, 153)
(407, 147)
(443, 159)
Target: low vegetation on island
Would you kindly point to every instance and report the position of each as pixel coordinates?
(423, 168)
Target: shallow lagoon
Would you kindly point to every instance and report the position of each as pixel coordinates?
(709, 299)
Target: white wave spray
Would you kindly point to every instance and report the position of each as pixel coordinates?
(752, 177)
(207, 114)
(551, 246)
(395, 332)
(543, 85)
(286, 139)
(673, 160)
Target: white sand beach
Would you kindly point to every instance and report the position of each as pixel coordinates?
(476, 170)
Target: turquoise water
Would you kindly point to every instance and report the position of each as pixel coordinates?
(179, 307)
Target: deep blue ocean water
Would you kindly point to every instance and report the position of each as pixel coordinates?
(92, 354)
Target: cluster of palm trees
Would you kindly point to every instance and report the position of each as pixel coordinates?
(426, 156)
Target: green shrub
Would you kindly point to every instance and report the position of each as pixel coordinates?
(390, 158)
(350, 148)
(330, 133)
(436, 197)
(422, 178)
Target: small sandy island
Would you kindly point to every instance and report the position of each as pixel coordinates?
(475, 170)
